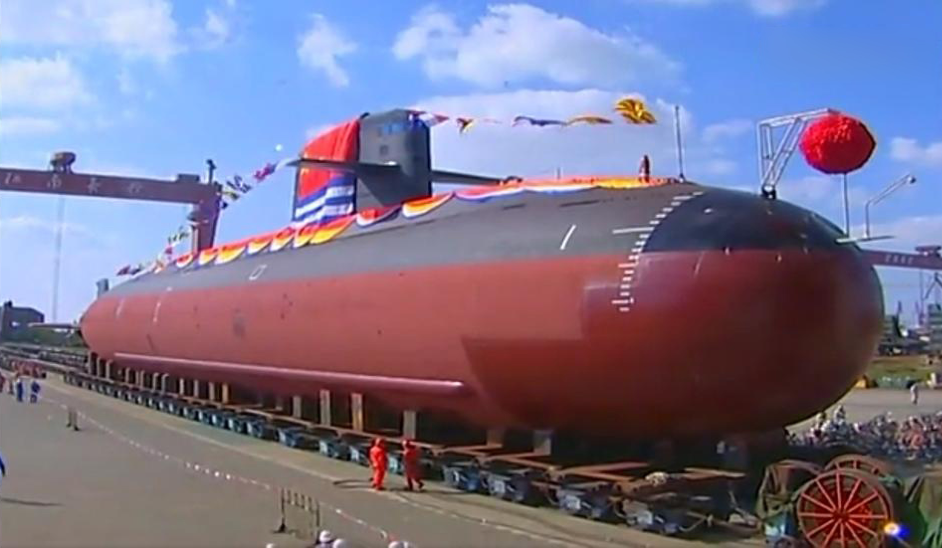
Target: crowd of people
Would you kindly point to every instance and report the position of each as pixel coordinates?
(17, 386)
(916, 438)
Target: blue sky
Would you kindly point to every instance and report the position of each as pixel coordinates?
(153, 88)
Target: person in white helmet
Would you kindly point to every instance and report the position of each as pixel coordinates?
(325, 539)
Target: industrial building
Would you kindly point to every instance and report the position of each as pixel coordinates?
(15, 320)
(934, 322)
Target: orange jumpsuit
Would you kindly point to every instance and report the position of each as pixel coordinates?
(379, 462)
(410, 458)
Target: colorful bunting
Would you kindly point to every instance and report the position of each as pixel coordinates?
(304, 234)
(484, 193)
(634, 111)
(430, 119)
(464, 124)
(539, 122)
(421, 206)
(370, 217)
(631, 109)
(588, 119)
(262, 173)
(321, 233)
(329, 230)
(554, 187)
(259, 243)
(207, 256)
(282, 238)
(184, 260)
(230, 252)
(232, 190)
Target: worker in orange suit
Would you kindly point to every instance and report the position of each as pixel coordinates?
(410, 459)
(378, 461)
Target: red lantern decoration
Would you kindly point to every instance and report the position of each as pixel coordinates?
(837, 143)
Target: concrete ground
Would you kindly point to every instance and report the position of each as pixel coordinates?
(138, 477)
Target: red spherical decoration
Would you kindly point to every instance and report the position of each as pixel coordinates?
(837, 144)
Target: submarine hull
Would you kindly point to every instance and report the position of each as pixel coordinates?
(665, 312)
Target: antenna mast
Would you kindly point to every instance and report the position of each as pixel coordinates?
(680, 144)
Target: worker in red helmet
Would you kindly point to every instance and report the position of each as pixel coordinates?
(410, 460)
(379, 462)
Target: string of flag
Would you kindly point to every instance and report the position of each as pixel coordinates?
(232, 190)
(632, 110)
(295, 236)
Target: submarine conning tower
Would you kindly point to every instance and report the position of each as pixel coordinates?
(375, 160)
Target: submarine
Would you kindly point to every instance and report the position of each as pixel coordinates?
(623, 306)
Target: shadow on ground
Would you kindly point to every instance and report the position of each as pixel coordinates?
(21, 502)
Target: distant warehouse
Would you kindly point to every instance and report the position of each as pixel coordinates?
(934, 319)
(15, 320)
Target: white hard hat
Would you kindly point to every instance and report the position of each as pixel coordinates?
(396, 544)
(339, 543)
(325, 536)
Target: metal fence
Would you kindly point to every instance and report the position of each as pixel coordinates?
(306, 518)
(300, 515)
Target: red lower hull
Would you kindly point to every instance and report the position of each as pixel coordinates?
(714, 342)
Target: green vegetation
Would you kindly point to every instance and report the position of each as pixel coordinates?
(899, 371)
(47, 337)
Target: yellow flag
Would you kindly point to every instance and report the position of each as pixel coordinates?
(635, 111)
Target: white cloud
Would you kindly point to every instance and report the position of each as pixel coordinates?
(132, 28)
(520, 42)
(33, 224)
(824, 194)
(217, 29)
(15, 126)
(726, 130)
(909, 150)
(321, 47)
(767, 8)
(810, 189)
(776, 8)
(50, 83)
(528, 151)
(907, 231)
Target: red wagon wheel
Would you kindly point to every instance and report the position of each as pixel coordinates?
(863, 463)
(780, 482)
(843, 508)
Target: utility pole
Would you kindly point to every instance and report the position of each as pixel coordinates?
(680, 144)
(57, 259)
